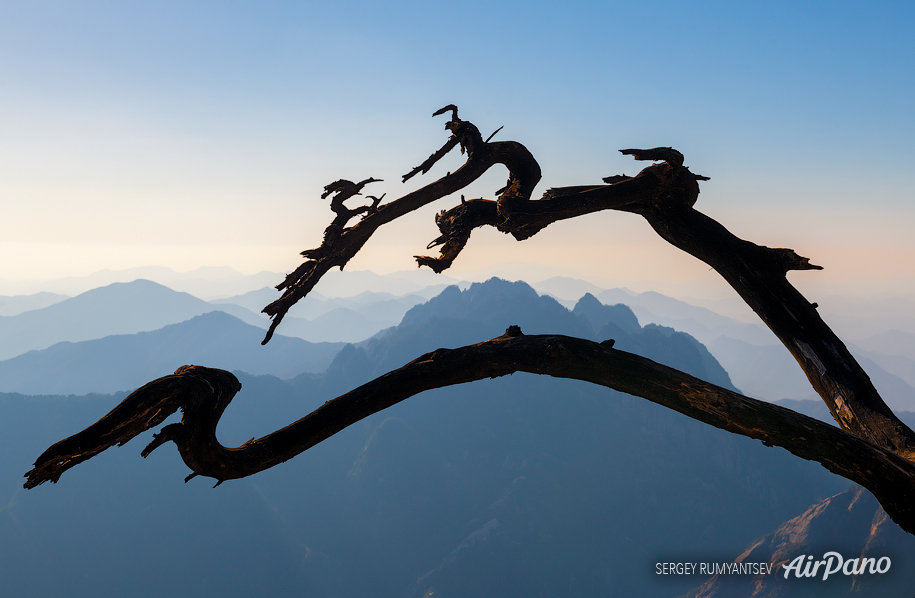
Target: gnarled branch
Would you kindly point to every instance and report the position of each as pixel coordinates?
(204, 393)
(875, 449)
(340, 246)
(664, 194)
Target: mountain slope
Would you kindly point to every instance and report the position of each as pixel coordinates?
(119, 308)
(771, 373)
(17, 304)
(124, 362)
(521, 486)
(851, 524)
(346, 319)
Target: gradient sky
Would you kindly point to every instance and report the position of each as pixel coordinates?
(190, 134)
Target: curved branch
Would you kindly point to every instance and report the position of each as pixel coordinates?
(523, 218)
(758, 274)
(204, 393)
(664, 194)
(342, 243)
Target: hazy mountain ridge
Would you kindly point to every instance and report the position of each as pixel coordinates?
(315, 305)
(218, 282)
(206, 282)
(519, 486)
(125, 362)
(346, 319)
(485, 310)
(17, 304)
(120, 308)
(143, 306)
(755, 362)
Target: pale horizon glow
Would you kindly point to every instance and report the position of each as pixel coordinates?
(194, 134)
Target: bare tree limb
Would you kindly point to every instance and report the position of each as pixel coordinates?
(875, 449)
(664, 194)
(203, 395)
(344, 242)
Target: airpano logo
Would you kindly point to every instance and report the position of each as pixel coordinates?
(833, 563)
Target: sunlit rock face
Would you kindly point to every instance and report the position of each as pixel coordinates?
(842, 545)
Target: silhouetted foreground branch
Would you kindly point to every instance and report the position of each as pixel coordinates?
(341, 243)
(875, 449)
(203, 394)
(664, 194)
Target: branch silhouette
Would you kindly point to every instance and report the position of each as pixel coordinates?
(204, 393)
(873, 447)
(340, 246)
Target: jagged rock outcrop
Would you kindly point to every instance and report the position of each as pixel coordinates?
(851, 524)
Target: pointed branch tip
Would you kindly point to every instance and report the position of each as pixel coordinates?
(494, 134)
(452, 107)
(665, 154)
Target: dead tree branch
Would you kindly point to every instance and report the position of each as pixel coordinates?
(664, 194)
(874, 448)
(203, 395)
(344, 242)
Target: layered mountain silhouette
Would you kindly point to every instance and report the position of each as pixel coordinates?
(700, 322)
(119, 308)
(771, 371)
(127, 361)
(16, 304)
(484, 311)
(522, 486)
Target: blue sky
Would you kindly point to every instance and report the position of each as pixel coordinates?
(201, 133)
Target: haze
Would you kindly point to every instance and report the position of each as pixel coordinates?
(188, 135)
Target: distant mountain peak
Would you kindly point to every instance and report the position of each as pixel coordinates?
(599, 315)
(498, 303)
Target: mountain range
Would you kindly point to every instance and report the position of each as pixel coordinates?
(219, 282)
(128, 361)
(349, 319)
(364, 303)
(519, 486)
(119, 308)
(143, 306)
(408, 485)
(16, 304)
(756, 362)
